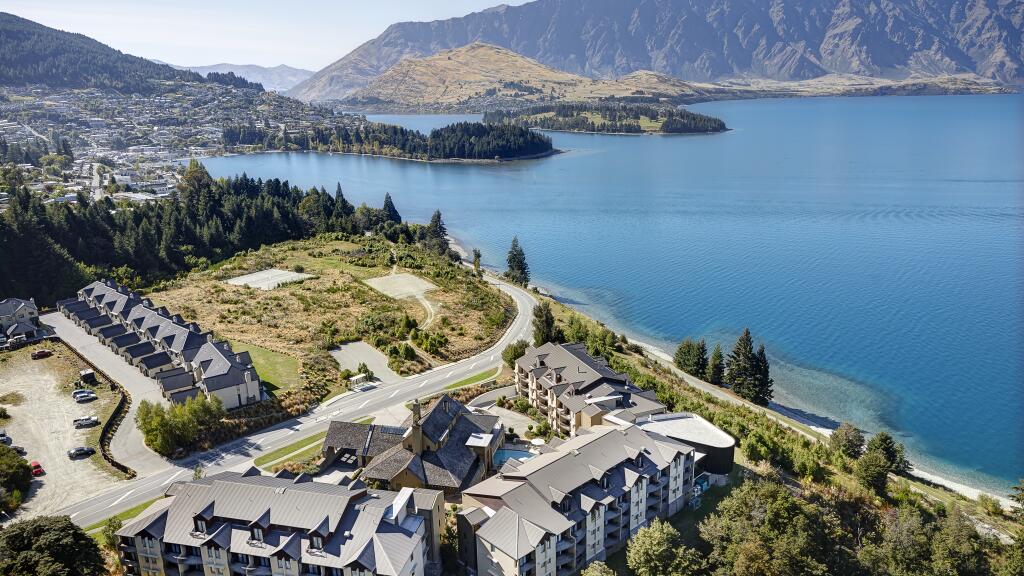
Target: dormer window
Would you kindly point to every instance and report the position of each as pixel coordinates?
(565, 505)
(604, 481)
(257, 534)
(639, 461)
(316, 542)
(200, 525)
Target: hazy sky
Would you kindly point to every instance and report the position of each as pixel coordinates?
(303, 33)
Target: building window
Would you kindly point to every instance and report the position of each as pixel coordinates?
(257, 534)
(316, 542)
(201, 526)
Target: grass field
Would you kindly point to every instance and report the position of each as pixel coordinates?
(94, 529)
(283, 451)
(475, 379)
(278, 371)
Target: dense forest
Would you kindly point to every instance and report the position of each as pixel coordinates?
(49, 251)
(608, 117)
(464, 140)
(231, 79)
(31, 53)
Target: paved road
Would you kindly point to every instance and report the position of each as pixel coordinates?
(127, 444)
(238, 455)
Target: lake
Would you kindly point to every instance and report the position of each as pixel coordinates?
(875, 245)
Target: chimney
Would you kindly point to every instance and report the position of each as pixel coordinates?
(416, 413)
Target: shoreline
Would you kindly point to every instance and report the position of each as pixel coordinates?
(549, 153)
(774, 410)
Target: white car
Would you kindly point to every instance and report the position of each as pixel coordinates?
(86, 421)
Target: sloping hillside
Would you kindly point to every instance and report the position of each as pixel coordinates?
(31, 53)
(482, 76)
(278, 78)
(709, 40)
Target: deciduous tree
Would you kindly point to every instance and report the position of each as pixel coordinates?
(48, 545)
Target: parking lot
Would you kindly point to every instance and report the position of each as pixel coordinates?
(42, 413)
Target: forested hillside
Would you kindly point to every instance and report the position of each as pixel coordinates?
(49, 251)
(462, 141)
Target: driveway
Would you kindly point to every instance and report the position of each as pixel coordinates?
(352, 354)
(127, 446)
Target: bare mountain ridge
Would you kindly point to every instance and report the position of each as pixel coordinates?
(709, 40)
(481, 77)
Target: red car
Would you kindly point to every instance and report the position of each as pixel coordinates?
(37, 468)
(40, 354)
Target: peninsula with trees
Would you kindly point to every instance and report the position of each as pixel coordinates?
(609, 117)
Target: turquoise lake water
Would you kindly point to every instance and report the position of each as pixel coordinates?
(876, 246)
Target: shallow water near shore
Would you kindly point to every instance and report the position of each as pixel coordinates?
(876, 246)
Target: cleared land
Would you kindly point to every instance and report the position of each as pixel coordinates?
(401, 286)
(42, 424)
(303, 321)
(269, 279)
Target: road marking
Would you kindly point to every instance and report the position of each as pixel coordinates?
(364, 404)
(422, 384)
(393, 394)
(473, 365)
(450, 374)
(171, 479)
(492, 356)
(118, 501)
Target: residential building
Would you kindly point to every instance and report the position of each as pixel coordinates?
(244, 523)
(574, 390)
(556, 512)
(19, 319)
(449, 448)
(183, 359)
(713, 449)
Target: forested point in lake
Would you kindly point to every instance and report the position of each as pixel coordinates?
(49, 251)
(608, 117)
(463, 140)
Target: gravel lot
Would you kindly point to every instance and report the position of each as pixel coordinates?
(268, 279)
(42, 424)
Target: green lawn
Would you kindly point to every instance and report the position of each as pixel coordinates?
(123, 516)
(291, 448)
(475, 379)
(279, 372)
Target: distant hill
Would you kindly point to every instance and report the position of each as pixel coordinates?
(276, 78)
(31, 53)
(712, 40)
(480, 76)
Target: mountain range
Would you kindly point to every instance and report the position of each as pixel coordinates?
(277, 78)
(711, 40)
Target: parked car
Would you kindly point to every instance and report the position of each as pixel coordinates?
(19, 450)
(37, 468)
(83, 397)
(40, 354)
(82, 392)
(81, 452)
(86, 421)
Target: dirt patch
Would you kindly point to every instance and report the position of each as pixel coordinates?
(269, 279)
(403, 285)
(42, 424)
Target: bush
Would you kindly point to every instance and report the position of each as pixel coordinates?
(180, 426)
(990, 505)
(15, 477)
(513, 352)
(872, 471)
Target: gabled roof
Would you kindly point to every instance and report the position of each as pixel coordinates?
(511, 533)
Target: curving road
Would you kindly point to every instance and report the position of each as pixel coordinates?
(239, 454)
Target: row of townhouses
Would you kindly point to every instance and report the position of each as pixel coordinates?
(248, 524)
(546, 510)
(184, 360)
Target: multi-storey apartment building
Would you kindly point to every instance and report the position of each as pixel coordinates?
(574, 390)
(184, 360)
(245, 524)
(19, 319)
(555, 513)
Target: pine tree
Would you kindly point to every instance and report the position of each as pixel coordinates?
(476, 262)
(716, 367)
(740, 366)
(891, 451)
(762, 379)
(692, 357)
(437, 234)
(518, 270)
(390, 212)
(544, 329)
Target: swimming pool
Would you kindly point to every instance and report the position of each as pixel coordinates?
(502, 455)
